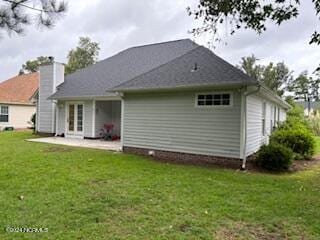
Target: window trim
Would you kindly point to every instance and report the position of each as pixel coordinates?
(214, 93)
(4, 114)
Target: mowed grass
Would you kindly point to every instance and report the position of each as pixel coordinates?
(91, 194)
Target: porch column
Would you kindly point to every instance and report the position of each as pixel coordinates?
(94, 118)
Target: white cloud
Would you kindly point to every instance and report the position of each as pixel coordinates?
(119, 24)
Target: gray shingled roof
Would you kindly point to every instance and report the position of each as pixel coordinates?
(97, 79)
(211, 71)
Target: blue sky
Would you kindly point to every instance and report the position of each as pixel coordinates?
(119, 24)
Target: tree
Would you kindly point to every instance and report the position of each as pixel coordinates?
(314, 88)
(15, 15)
(301, 85)
(249, 66)
(84, 55)
(274, 76)
(33, 65)
(247, 14)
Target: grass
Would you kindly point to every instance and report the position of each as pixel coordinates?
(317, 150)
(92, 194)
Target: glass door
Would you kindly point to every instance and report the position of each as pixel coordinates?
(70, 119)
(75, 119)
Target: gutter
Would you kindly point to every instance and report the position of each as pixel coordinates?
(244, 150)
(271, 93)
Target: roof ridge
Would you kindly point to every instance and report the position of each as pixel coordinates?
(209, 52)
(159, 43)
(134, 47)
(17, 76)
(153, 69)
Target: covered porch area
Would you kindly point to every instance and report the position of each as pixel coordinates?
(89, 119)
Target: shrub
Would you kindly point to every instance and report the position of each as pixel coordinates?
(274, 157)
(299, 139)
(296, 119)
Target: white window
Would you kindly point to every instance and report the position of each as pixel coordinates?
(264, 106)
(216, 99)
(4, 114)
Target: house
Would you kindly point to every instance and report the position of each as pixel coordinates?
(174, 100)
(16, 106)
(309, 107)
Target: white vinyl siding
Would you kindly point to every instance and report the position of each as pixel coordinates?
(172, 122)
(103, 115)
(46, 107)
(61, 117)
(88, 119)
(105, 112)
(254, 123)
(108, 112)
(255, 138)
(50, 77)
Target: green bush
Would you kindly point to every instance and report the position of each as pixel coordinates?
(274, 157)
(298, 138)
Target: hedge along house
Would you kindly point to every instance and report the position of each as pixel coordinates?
(174, 100)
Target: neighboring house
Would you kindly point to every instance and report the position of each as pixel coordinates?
(309, 107)
(174, 100)
(16, 106)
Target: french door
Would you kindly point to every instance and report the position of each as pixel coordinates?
(75, 119)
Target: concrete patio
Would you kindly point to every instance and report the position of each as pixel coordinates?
(85, 143)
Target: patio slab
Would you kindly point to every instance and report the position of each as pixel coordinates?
(86, 143)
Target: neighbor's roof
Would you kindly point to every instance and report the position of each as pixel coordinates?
(19, 89)
(196, 68)
(101, 77)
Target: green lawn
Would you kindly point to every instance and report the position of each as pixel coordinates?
(93, 194)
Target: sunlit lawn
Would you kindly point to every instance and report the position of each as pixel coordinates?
(93, 194)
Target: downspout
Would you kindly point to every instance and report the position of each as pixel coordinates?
(244, 150)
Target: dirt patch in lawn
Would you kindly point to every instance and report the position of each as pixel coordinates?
(97, 181)
(57, 149)
(243, 231)
(300, 165)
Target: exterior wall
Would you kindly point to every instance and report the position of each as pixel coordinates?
(172, 122)
(87, 121)
(19, 116)
(103, 115)
(255, 138)
(105, 112)
(254, 123)
(283, 115)
(116, 117)
(88, 126)
(61, 117)
(108, 112)
(46, 112)
(50, 77)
